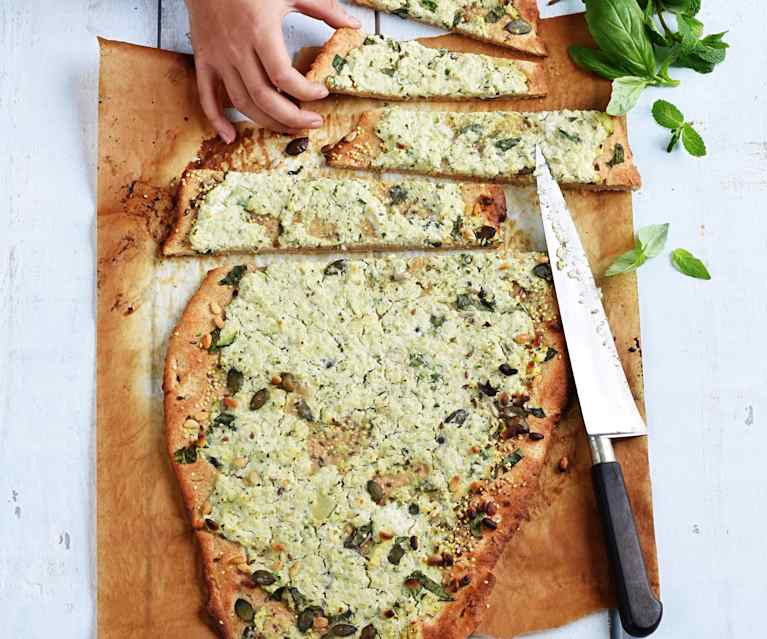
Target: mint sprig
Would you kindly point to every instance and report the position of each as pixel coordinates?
(670, 117)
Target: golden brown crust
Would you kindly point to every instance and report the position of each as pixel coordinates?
(530, 43)
(189, 391)
(345, 39)
(483, 201)
(358, 149)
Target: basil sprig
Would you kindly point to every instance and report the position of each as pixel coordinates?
(637, 45)
(670, 117)
(649, 242)
(685, 262)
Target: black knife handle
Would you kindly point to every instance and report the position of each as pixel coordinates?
(640, 611)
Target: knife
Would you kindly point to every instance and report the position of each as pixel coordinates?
(608, 408)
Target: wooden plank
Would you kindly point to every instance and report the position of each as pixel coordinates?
(300, 31)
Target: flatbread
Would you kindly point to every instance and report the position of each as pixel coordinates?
(193, 384)
(484, 206)
(344, 40)
(496, 31)
(360, 148)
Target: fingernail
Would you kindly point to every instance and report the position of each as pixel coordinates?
(355, 23)
(322, 92)
(315, 121)
(226, 137)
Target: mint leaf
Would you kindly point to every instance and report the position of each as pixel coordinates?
(667, 115)
(626, 92)
(685, 262)
(692, 141)
(629, 261)
(674, 139)
(652, 239)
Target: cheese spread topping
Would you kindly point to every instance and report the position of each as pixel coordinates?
(367, 405)
(493, 144)
(473, 17)
(256, 211)
(386, 67)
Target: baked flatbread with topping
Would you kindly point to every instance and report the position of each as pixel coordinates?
(508, 23)
(356, 439)
(354, 63)
(585, 149)
(266, 212)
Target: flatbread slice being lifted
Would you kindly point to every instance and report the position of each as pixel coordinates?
(354, 63)
(585, 149)
(355, 441)
(508, 23)
(270, 212)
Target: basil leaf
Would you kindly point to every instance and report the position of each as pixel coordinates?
(692, 141)
(618, 27)
(338, 63)
(667, 115)
(626, 92)
(685, 262)
(629, 261)
(652, 239)
(596, 61)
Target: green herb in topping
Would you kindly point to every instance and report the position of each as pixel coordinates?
(342, 630)
(431, 5)
(686, 263)
(369, 40)
(299, 600)
(186, 455)
(244, 610)
(335, 268)
(475, 525)
(457, 226)
(619, 156)
(536, 412)
(484, 234)
(401, 12)
(474, 127)
(551, 353)
(437, 320)
(396, 553)
(297, 146)
(543, 270)
(341, 616)
(234, 276)
(303, 410)
(397, 194)
(512, 459)
(260, 397)
(224, 419)
(430, 585)
(369, 632)
(507, 143)
(416, 359)
(518, 26)
(214, 461)
(495, 14)
(413, 509)
(359, 537)
(507, 370)
(263, 578)
(463, 301)
(234, 381)
(486, 300)
(217, 342)
(375, 491)
(338, 63)
(573, 137)
(457, 19)
(488, 389)
(457, 417)
(425, 486)
(390, 71)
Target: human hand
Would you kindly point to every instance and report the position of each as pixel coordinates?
(239, 46)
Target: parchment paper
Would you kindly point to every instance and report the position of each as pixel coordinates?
(150, 128)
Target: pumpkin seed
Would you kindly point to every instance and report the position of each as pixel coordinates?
(299, 600)
(401, 13)
(278, 594)
(297, 146)
(369, 632)
(186, 455)
(494, 15)
(536, 412)
(457, 417)
(343, 630)
(234, 276)
(359, 537)
(396, 553)
(551, 353)
(259, 398)
(518, 26)
(543, 271)
(306, 619)
(430, 585)
(244, 610)
(249, 633)
(341, 616)
(397, 194)
(375, 491)
(507, 370)
(234, 381)
(335, 268)
(484, 233)
(263, 578)
(414, 542)
(303, 410)
(224, 419)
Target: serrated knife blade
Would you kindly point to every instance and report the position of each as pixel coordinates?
(606, 402)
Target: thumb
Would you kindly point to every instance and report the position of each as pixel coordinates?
(329, 11)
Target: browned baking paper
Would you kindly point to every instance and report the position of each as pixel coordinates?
(150, 128)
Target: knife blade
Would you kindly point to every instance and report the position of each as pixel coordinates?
(608, 408)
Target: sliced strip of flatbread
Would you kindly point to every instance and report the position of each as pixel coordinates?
(509, 23)
(278, 421)
(355, 63)
(585, 149)
(271, 212)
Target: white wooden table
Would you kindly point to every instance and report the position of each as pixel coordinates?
(705, 359)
